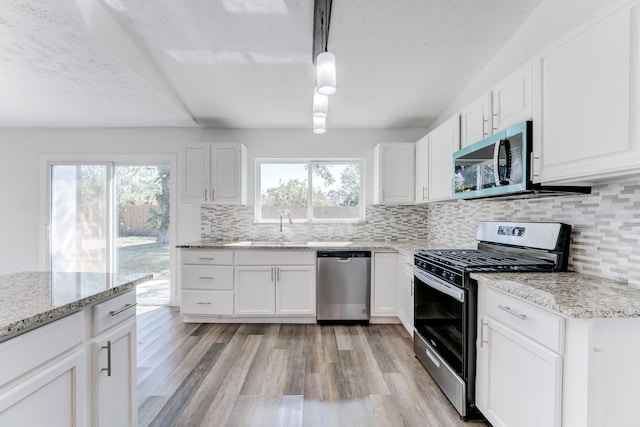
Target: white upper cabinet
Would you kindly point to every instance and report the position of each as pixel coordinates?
(443, 142)
(512, 98)
(214, 173)
(422, 170)
(394, 173)
(586, 102)
(476, 120)
(506, 104)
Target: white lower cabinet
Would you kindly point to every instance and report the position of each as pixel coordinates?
(405, 291)
(255, 290)
(385, 279)
(114, 368)
(206, 278)
(275, 283)
(519, 365)
(43, 376)
(76, 371)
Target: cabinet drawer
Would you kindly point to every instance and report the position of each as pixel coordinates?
(113, 311)
(207, 277)
(207, 302)
(207, 257)
(275, 257)
(534, 322)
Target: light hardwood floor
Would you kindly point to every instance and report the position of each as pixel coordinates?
(282, 375)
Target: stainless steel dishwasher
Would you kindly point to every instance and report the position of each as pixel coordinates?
(344, 285)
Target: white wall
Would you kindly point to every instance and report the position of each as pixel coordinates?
(20, 174)
(551, 20)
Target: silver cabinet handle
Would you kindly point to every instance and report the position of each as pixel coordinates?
(272, 274)
(108, 348)
(213, 194)
(277, 274)
(206, 258)
(495, 122)
(482, 340)
(484, 132)
(205, 195)
(203, 303)
(206, 277)
(126, 307)
(513, 313)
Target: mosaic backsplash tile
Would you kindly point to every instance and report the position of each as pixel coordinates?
(605, 239)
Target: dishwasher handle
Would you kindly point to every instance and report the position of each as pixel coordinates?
(344, 256)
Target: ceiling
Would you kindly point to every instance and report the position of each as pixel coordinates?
(240, 63)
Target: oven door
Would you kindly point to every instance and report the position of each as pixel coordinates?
(439, 317)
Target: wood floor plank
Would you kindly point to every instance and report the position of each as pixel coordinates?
(283, 375)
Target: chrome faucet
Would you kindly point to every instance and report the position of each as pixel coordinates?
(288, 214)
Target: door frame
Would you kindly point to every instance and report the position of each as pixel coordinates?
(129, 159)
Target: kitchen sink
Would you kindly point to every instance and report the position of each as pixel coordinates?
(271, 243)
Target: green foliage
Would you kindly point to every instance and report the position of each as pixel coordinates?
(293, 193)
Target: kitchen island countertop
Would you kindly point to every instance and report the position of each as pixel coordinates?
(32, 299)
(571, 294)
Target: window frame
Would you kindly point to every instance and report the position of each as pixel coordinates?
(309, 161)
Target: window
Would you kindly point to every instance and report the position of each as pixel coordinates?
(311, 190)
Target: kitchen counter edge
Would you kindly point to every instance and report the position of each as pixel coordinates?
(570, 294)
(20, 326)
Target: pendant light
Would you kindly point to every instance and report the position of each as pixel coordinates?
(319, 125)
(320, 104)
(326, 73)
(325, 60)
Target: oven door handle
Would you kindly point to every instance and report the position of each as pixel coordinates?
(439, 284)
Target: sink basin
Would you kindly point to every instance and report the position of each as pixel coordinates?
(269, 243)
(330, 244)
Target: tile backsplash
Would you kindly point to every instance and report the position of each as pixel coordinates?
(605, 239)
(387, 223)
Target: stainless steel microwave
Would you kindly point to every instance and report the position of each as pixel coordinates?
(500, 165)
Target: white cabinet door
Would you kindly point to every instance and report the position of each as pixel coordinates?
(512, 98)
(295, 290)
(385, 278)
(255, 290)
(422, 170)
(114, 373)
(586, 102)
(405, 292)
(54, 396)
(195, 173)
(518, 382)
(394, 173)
(228, 174)
(443, 142)
(476, 120)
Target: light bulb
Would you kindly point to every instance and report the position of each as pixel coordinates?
(326, 73)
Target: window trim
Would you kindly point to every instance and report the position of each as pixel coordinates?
(309, 161)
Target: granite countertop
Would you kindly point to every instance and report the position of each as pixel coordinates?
(407, 247)
(571, 294)
(32, 299)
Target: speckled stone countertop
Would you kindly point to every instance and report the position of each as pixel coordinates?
(404, 247)
(570, 294)
(32, 299)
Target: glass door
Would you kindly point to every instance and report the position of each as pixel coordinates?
(80, 218)
(107, 217)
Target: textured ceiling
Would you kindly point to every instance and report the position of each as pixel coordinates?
(240, 63)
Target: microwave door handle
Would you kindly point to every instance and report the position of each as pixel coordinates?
(500, 180)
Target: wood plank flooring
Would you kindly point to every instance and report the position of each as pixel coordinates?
(282, 375)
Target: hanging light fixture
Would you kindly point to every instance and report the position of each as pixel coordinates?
(325, 60)
(319, 125)
(326, 73)
(325, 65)
(320, 104)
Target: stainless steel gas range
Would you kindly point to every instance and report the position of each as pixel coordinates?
(445, 300)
